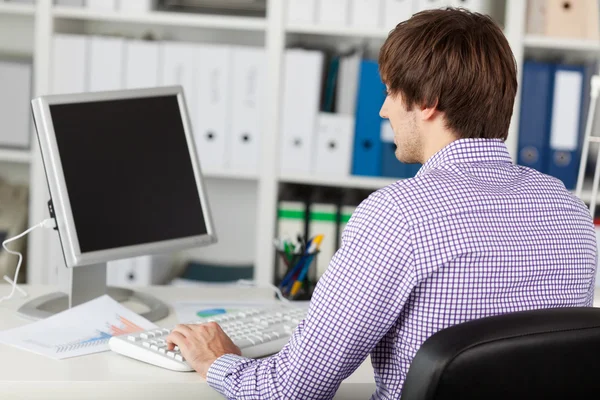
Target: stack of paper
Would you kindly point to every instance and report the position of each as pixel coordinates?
(81, 330)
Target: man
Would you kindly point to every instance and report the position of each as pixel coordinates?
(472, 235)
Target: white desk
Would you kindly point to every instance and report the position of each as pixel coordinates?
(25, 375)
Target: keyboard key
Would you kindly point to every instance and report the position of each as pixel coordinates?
(178, 357)
(132, 338)
(146, 344)
(170, 354)
(154, 347)
(144, 335)
(176, 348)
(162, 351)
(158, 333)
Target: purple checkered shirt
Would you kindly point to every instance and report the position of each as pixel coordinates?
(471, 235)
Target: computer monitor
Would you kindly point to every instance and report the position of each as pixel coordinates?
(124, 181)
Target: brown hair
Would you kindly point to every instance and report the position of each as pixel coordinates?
(459, 60)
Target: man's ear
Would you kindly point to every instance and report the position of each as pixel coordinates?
(428, 112)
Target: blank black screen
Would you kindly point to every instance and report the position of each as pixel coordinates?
(128, 172)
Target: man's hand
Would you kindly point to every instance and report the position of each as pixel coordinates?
(201, 344)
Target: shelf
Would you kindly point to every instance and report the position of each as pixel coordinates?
(345, 31)
(564, 44)
(355, 182)
(163, 18)
(223, 174)
(17, 156)
(16, 9)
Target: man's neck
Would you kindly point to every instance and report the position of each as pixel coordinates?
(437, 143)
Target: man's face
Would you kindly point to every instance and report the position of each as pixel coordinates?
(407, 136)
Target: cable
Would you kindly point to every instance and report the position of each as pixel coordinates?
(47, 223)
(247, 282)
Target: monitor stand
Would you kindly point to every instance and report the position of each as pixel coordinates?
(82, 284)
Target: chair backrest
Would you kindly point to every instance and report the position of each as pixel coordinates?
(540, 354)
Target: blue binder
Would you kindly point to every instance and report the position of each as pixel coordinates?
(367, 152)
(564, 163)
(390, 166)
(537, 92)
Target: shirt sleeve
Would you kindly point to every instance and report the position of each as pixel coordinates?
(355, 303)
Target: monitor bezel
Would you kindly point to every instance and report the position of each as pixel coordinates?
(63, 213)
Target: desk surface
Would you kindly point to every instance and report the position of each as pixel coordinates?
(26, 375)
(30, 376)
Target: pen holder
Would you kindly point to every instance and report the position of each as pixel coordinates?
(298, 262)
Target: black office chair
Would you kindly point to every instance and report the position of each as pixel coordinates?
(541, 354)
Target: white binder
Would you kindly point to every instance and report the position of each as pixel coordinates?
(333, 12)
(301, 11)
(212, 71)
(139, 271)
(478, 6)
(136, 6)
(347, 87)
(300, 97)
(423, 5)
(106, 63)
(335, 138)
(102, 5)
(566, 107)
(177, 68)
(141, 64)
(396, 11)
(15, 109)
(248, 97)
(366, 13)
(323, 220)
(70, 3)
(69, 64)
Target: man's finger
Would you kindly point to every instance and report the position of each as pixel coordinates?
(185, 330)
(175, 339)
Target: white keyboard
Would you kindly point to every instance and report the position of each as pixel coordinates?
(257, 332)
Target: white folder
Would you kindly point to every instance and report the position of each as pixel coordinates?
(102, 5)
(335, 138)
(478, 6)
(323, 220)
(290, 223)
(333, 12)
(69, 64)
(564, 131)
(212, 71)
(177, 68)
(347, 87)
(536, 17)
(138, 6)
(121, 273)
(70, 3)
(106, 63)
(15, 97)
(396, 11)
(248, 99)
(300, 97)
(423, 5)
(301, 11)
(141, 64)
(366, 13)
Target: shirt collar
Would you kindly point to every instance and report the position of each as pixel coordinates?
(467, 151)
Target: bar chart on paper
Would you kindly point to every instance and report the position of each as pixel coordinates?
(82, 330)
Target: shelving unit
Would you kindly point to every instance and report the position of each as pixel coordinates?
(264, 185)
(354, 182)
(17, 9)
(560, 44)
(163, 18)
(15, 156)
(324, 30)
